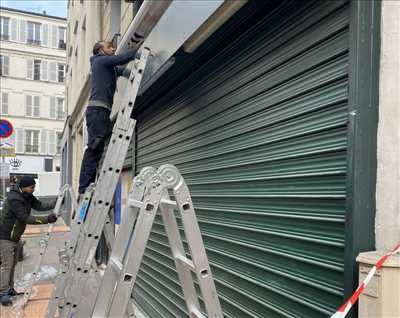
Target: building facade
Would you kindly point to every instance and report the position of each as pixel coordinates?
(33, 68)
(273, 122)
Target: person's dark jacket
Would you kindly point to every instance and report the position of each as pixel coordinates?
(16, 214)
(104, 76)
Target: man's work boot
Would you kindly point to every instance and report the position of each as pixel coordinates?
(5, 300)
(13, 292)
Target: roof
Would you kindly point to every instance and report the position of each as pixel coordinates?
(34, 13)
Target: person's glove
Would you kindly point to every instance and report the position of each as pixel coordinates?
(52, 218)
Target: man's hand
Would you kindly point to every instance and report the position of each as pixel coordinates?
(52, 218)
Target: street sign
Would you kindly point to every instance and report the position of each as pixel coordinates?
(6, 128)
(7, 146)
(7, 139)
(4, 170)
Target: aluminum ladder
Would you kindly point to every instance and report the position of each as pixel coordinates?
(149, 194)
(44, 242)
(94, 212)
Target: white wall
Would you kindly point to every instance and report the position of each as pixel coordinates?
(388, 172)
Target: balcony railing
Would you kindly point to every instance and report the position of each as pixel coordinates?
(33, 42)
(62, 45)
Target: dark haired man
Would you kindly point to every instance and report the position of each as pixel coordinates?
(105, 68)
(14, 217)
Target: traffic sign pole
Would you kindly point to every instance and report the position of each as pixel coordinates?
(6, 130)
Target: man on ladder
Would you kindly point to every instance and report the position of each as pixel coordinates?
(14, 217)
(105, 68)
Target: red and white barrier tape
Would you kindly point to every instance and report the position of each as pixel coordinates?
(345, 308)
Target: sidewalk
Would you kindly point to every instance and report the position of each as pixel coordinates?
(42, 290)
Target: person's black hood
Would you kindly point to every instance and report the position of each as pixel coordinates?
(16, 193)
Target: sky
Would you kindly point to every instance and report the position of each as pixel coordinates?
(52, 7)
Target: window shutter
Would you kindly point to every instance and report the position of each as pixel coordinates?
(54, 36)
(13, 32)
(36, 106)
(6, 65)
(43, 141)
(60, 108)
(45, 35)
(52, 142)
(22, 31)
(29, 69)
(52, 107)
(44, 71)
(53, 72)
(19, 137)
(28, 109)
(4, 104)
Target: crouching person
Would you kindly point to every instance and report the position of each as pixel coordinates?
(14, 217)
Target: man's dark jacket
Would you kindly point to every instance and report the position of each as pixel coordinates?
(104, 75)
(16, 214)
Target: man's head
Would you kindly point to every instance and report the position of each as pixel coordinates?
(27, 184)
(103, 47)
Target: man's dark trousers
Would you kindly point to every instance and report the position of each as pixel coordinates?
(8, 260)
(99, 127)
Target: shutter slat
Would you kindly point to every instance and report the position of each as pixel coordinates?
(52, 107)
(45, 34)
(36, 106)
(6, 65)
(44, 71)
(53, 72)
(28, 103)
(22, 31)
(14, 30)
(52, 142)
(29, 69)
(19, 137)
(43, 141)
(54, 36)
(4, 104)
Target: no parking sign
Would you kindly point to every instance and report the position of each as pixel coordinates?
(7, 139)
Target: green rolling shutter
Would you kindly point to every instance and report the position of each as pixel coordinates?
(259, 133)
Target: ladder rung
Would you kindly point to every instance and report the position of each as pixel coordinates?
(187, 262)
(169, 203)
(135, 203)
(115, 264)
(196, 314)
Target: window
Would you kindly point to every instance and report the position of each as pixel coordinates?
(61, 73)
(32, 141)
(36, 70)
(4, 65)
(4, 28)
(33, 33)
(59, 137)
(4, 104)
(60, 108)
(53, 72)
(61, 38)
(48, 164)
(32, 106)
